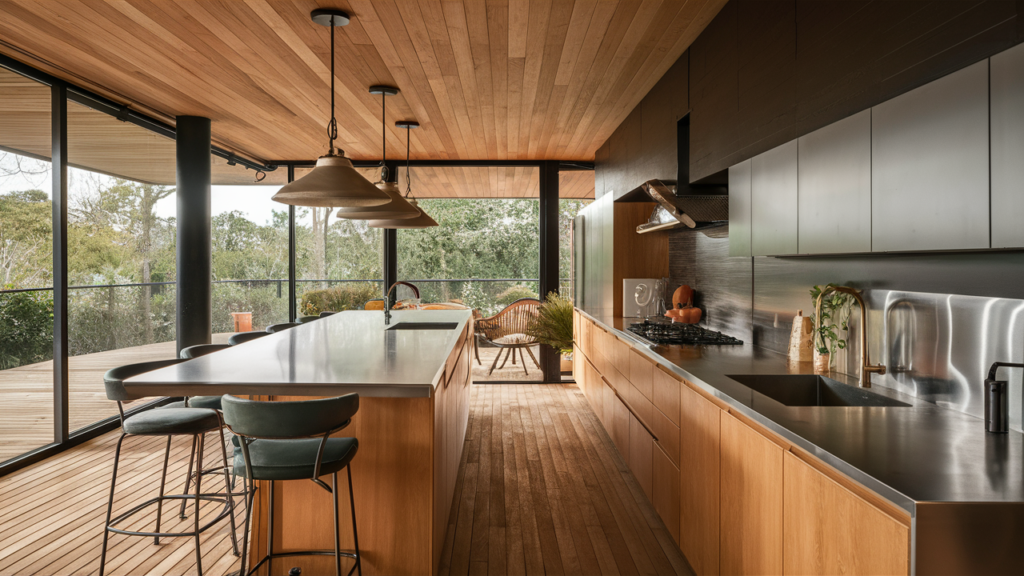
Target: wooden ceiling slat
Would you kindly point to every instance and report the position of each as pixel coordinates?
(491, 79)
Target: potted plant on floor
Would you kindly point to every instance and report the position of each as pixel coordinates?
(553, 327)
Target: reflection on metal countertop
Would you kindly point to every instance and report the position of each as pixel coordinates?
(922, 453)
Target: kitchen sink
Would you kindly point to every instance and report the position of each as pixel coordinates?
(813, 390)
(424, 326)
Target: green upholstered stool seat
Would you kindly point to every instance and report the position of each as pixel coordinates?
(243, 337)
(306, 319)
(172, 421)
(211, 402)
(294, 459)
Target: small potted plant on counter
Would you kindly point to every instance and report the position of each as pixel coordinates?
(834, 325)
(553, 327)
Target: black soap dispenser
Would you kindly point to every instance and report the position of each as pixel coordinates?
(997, 400)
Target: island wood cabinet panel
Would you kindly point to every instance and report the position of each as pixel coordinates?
(641, 455)
(830, 530)
(699, 486)
(930, 165)
(751, 501)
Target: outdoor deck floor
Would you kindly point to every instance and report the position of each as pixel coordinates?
(541, 489)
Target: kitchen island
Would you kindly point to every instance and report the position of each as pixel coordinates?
(413, 413)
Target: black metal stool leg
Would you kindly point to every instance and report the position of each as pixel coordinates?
(337, 530)
(163, 482)
(110, 504)
(355, 533)
(270, 529)
(188, 478)
(227, 491)
(199, 479)
(250, 492)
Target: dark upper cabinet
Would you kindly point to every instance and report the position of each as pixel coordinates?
(773, 201)
(930, 166)
(661, 109)
(834, 171)
(1007, 139)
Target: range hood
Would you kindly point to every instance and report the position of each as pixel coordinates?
(693, 211)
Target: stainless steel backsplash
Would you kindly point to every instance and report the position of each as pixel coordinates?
(939, 347)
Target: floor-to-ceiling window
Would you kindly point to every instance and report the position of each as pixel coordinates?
(575, 191)
(250, 249)
(121, 254)
(338, 262)
(484, 253)
(26, 267)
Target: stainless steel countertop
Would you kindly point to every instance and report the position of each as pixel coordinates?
(924, 453)
(347, 352)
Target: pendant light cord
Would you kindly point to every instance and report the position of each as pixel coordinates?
(332, 126)
(408, 172)
(384, 173)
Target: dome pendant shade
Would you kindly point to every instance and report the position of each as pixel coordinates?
(421, 221)
(397, 209)
(333, 183)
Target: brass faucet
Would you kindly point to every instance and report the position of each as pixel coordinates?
(866, 368)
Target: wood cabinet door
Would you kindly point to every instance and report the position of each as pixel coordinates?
(641, 373)
(641, 456)
(830, 530)
(666, 491)
(751, 517)
(699, 469)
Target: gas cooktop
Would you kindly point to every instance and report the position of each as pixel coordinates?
(662, 332)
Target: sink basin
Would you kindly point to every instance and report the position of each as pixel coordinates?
(813, 390)
(424, 326)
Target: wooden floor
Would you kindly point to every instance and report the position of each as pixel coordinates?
(541, 490)
(26, 394)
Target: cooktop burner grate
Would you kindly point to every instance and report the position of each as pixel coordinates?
(673, 333)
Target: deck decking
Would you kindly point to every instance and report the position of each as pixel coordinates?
(541, 490)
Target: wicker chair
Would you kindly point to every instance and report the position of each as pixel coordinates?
(506, 331)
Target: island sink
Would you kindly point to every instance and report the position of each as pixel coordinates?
(424, 326)
(813, 390)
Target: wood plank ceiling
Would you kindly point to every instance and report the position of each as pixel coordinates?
(501, 79)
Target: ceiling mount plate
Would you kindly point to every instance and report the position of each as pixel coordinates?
(330, 17)
(407, 124)
(381, 89)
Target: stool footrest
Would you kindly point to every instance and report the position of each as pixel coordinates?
(269, 557)
(140, 507)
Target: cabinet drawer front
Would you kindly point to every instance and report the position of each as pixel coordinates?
(641, 447)
(641, 372)
(699, 486)
(667, 433)
(830, 530)
(666, 491)
(665, 396)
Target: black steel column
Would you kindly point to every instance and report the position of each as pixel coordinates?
(391, 243)
(59, 178)
(293, 306)
(195, 315)
(550, 358)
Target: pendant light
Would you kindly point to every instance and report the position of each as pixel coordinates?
(333, 182)
(421, 221)
(397, 208)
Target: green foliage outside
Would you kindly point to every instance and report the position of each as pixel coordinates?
(554, 323)
(513, 293)
(26, 328)
(115, 236)
(338, 299)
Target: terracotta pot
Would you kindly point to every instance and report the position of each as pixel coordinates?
(821, 362)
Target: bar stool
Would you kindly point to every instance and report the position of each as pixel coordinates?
(291, 441)
(281, 327)
(210, 402)
(326, 314)
(167, 422)
(306, 319)
(243, 337)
